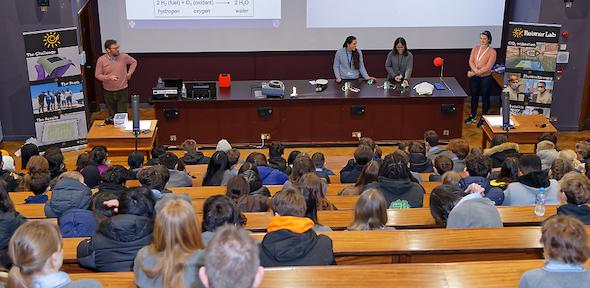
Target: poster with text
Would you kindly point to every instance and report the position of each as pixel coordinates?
(531, 58)
(56, 87)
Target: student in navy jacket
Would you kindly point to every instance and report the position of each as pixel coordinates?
(478, 168)
(351, 172)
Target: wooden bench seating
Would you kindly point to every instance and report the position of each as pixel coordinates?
(414, 246)
(438, 275)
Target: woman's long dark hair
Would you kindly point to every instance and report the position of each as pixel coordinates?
(356, 57)
(402, 41)
(217, 166)
(6, 204)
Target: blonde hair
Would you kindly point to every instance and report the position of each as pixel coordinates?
(576, 188)
(176, 235)
(451, 178)
(545, 145)
(569, 155)
(30, 247)
(370, 211)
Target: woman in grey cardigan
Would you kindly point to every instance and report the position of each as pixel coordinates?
(348, 62)
(400, 62)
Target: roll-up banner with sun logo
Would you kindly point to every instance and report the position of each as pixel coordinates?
(57, 91)
(531, 59)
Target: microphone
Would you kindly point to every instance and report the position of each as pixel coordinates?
(135, 111)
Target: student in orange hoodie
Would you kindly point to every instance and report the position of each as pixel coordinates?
(290, 239)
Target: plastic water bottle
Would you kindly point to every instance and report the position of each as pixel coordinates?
(540, 202)
(183, 92)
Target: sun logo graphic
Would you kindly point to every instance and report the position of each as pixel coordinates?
(517, 32)
(51, 40)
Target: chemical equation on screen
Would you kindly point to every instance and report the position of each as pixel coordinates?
(203, 8)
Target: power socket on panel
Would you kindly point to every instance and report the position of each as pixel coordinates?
(446, 132)
(265, 136)
(356, 134)
(173, 138)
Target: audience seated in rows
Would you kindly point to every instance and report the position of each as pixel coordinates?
(559, 168)
(301, 166)
(395, 183)
(11, 178)
(290, 159)
(10, 220)
(455, 208)
(576, 188)
(223, 146)
(268, 175)
(275, 156)
(478, 169)
(311, 187)
(501, 149)
(55, 160)
(37, 166)
(418, 161)
(135, 160)
(113, 180)
(458, 150)
(70, 192)
(238, 190)
(219, 210)
(218, 172)
(191, 154)
(583, 151)
(233, 157)
(370, 212)
(318, 162)
(175, 166)
(290, 239)
(37, 250)
(157, 151)
(351, 172)
(115, 244)
(451, 178)
(547, 152)
(532, 180)
(442, 164)
(433, 149)
(250, 172)
(27, 151)
(369, 174)
(154, 178)
(39, 185)
(565, 247)
(570, 156)
(508, 173)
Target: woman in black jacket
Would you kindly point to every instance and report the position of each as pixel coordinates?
(114, 246)
(9, 221)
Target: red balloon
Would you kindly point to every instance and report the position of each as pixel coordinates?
(438, 62)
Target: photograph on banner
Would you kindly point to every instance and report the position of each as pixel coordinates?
(64, 95)
(529, 88)
(67, 129)
(65, 62)
(539, 57)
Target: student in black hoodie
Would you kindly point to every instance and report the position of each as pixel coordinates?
(135, 161)
(191, 155)
(113, 180)
(418, 161)
(9, 221)
(56, 161)
(275, 154)
(114, 246)
(576, 188)
(290, 240)
(395, 183)
(351, 172)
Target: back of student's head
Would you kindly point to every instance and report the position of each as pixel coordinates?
(451, 178)
(100, 210)
(217, 166)
(442, 200)
(136, 201)
(55, 160)
(478, 165)
(37, 164)
(6, 204)
(231, 260)
(369, 174)
(170, 160)
(38, 182)
(289, 202)
(576, 188)
(311, 186)
(233, 156)
(318, 159)
(276, 149)
(370, 211)
(257, 159)
(545, 145)
(116, 174)
(363, 154)
(498, 139)
(417, 147)
(219, 210)
(135, 160)
(158, 151)
(443, 164)
(529, 163)
(301, 165)
(34, 247)
(367, 142)
(151, 178)
(560, 167)
(73, 175)
(568, 154)
(459, 147)
(189, 145)
(395, 166)
(250, 172)
(431, 137)
(508, 170)
(292, 156)
(176, 236)
(82, 161)
(98, 155)
(27, 151)
(583, 150)
(565, 240)
(237, 187)
(549, 137)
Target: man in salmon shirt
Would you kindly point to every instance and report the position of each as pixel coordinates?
(111, 70)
